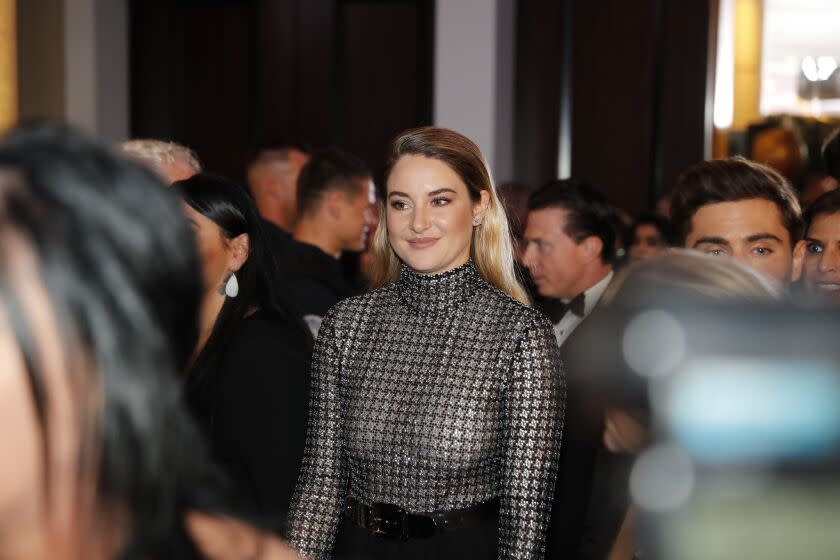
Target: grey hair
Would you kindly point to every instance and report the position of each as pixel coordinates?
(159, 152)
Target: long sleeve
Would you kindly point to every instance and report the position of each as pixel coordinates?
(320, 495)
(533, 406)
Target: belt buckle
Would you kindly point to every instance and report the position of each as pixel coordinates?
(387, 521)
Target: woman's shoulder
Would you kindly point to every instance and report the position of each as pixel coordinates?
(268, 331)
(351, 307)
(505, 304)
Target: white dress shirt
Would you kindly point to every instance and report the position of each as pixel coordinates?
(569, 322)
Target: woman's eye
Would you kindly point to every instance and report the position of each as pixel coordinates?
(441, 201)
(814, 248)
(398, 205)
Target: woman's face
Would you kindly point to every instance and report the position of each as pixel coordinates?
(216, 252)
(429, 214)
(647, 242)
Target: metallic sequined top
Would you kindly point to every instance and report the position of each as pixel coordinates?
(433, 393)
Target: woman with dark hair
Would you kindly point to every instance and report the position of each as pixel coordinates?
(650, 234)
(98, 299)
(248, 383)
(437, 401)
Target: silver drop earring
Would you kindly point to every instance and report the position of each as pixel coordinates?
(232, 286)
(477, 222)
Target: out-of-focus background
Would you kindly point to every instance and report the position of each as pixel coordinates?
(546, 87)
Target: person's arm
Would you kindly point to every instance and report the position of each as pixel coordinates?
(322, 486)
(533, 422)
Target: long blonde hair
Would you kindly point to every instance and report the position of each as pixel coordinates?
(492, 246)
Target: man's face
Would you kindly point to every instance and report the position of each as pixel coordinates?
(750, 231)
(357, 215)
(556, 262)
(817, 258)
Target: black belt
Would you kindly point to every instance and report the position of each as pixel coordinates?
(390, 521)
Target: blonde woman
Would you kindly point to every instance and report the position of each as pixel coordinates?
(437, 399)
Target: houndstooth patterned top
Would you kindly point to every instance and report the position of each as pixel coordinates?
(433, 393)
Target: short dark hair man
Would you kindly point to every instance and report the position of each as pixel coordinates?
(335, 194)
(738, 208)
(816, 259)
(571, 237)
(570, 246)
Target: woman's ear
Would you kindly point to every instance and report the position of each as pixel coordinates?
(240, 248)
(798, 261)
(480, 207)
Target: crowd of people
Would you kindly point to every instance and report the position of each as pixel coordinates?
(315, 365)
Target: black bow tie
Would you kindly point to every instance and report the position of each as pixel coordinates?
(576, 306)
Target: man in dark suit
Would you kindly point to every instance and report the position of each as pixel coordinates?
(570, 247)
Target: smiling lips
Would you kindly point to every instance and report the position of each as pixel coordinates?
(422, 242)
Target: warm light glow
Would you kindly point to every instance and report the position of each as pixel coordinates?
(725, 66)
(8, 65)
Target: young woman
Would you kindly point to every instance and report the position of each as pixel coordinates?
(437, 405)
(98, 299)
(249, 383)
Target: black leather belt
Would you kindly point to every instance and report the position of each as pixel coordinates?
(390, 521)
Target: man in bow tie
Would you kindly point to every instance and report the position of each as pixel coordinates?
(570, 246)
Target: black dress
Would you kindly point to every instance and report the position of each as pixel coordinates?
(252, 406)
(434, 393)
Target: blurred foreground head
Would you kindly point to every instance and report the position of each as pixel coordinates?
(99, 290)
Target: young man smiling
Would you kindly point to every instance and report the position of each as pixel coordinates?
(739, 209)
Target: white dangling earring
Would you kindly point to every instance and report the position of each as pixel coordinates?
(232, 286)
(477, 222)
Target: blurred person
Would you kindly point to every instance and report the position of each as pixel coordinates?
(335, 194)
(249, 381)
(663, 206)
(571, 240)
(437, 397)
(272, 180)
(675, 275)
(170, 161)
(514, 197)
(650, 234)
(816, 259)
(98, 297)
(831, 154)
(739, 209)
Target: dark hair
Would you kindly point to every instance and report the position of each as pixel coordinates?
(731, 180)
(828, 203)
(662, 226)
(325, 171)
(589, 213)
(831, 154)
(232, 209)
(118, 265)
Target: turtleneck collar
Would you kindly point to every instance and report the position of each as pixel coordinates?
(438, 292)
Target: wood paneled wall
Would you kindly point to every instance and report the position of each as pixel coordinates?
(639, 91)
(227, 77)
